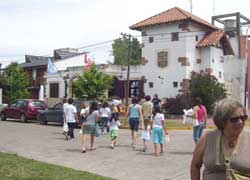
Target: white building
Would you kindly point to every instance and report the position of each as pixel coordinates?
(176, 43)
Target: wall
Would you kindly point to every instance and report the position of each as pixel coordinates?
(234, 76)
(183, 56)
(70, 62)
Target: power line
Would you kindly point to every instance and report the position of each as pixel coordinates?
(93, 47)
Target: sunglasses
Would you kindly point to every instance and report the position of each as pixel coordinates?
(236, 119)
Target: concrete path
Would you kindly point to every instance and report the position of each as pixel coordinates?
(47, 144)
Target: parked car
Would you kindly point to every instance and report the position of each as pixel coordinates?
(55, 114)
(2, 106)
(23, 109)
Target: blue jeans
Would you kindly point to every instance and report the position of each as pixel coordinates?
(104, 123)
(198, 132)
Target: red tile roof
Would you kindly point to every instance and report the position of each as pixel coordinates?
(211, 39)
(214, 38)
(172, 15)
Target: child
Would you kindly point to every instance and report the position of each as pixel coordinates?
(116, 109)
(158, 129)
(145, 135)
(104, 114)
(114, 127)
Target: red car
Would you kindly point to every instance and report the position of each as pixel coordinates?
(23, 109)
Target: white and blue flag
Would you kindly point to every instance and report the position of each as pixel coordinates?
(51, 68)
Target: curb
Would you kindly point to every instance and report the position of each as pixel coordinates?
(176, 128)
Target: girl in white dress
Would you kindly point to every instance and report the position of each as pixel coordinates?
(145, 135)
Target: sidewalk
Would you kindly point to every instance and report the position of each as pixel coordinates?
(47, 144)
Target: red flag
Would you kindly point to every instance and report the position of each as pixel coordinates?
(87, 62)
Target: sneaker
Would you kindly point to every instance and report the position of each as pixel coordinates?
(66, 136)
(112, 146)
(84, 150)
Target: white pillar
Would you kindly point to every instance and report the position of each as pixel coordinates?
(41, 93)
(1, 96)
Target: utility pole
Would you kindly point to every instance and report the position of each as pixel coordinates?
(214, 13)
(128, 66)
(191, 6)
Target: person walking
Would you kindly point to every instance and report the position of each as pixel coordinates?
(114, 127)
(71, 118)
(200, 113)
(83, 114)
(105, 113)
(224, 152)
(134, 114)
(159, 129)
(65, 125)
(90, 127)
(147, 109)
(156, 101)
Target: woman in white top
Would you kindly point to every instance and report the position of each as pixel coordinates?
(105, 114)
(158, 130)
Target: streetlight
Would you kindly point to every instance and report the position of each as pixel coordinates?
(246, 56)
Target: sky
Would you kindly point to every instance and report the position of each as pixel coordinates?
(37, 27)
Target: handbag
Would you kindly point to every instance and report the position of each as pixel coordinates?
(167, 139)
(231, 174)
(97, 130)
(65, 127)
(189, 120)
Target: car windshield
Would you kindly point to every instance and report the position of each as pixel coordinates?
(37, 103)
(58, 106)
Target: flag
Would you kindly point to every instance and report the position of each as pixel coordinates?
(51, 67)
(87, 62)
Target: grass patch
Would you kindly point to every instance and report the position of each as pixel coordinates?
(13, 167)
(173, 124)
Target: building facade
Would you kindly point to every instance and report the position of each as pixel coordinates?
(176, 43)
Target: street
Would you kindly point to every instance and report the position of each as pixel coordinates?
(47, 144)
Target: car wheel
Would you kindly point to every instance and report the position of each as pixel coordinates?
(43, 122)
(3, 117)
(23, 118)
(42, 119)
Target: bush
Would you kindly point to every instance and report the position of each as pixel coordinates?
(176, 105)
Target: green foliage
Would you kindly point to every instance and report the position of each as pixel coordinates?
(15, 82)
(92, 84)
(120, 51)
(207, 88)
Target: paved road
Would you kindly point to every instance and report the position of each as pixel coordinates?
(47, 144)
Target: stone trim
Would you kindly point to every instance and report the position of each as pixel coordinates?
(184, 61)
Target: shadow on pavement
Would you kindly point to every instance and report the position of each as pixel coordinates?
(180, 153)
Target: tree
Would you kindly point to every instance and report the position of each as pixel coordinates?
(92, 84)
(120, 51)
(15, 83)
(207, 88)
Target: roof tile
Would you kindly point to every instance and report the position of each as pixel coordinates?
(211, 38)
(171, 15)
